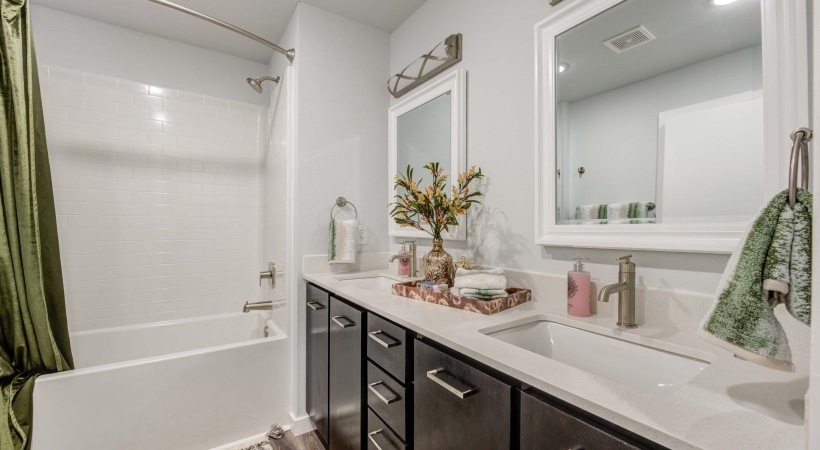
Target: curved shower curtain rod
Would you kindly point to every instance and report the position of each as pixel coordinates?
(290, 54)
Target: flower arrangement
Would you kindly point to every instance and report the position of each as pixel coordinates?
(430, 209)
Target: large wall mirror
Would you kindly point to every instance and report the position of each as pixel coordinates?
(428, 126)
(657, 124)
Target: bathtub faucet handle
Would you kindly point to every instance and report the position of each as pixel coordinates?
(270, 274)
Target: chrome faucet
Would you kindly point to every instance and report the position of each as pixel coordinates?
(258, 306)
(626, 293)
(411, 257)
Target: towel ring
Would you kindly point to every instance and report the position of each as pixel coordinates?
(800, 155)
(341, 202)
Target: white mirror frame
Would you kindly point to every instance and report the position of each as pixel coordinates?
(785, 103)
(455, 83)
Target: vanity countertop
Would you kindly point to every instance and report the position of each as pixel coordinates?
(731, 405)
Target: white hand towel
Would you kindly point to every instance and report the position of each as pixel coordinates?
(480, 278)
(342, 245)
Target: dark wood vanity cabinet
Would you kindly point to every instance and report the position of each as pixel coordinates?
(458, 406)
(372, 384)
(547, 425)
(346, 376)
(317, 343)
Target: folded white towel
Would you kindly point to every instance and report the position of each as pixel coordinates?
(342, 245)
(481, 281)
(465, 292)
(460, 271)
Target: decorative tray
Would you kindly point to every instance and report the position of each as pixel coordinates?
(487, 307)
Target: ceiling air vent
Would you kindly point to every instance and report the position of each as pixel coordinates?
(629, 40)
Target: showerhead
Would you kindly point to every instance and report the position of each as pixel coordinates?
(256, 83)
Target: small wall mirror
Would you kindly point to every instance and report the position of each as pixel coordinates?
(426, 126)
(651, 123)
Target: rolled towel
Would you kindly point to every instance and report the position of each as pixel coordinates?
(480, 279)
(491, 293)
(342, 245)
(771, 265)
(484, 298)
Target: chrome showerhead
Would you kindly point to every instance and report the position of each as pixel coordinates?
(256, 83)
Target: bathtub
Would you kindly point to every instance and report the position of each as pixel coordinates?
(183, 384)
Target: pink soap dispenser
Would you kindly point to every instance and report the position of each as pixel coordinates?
(578, 285)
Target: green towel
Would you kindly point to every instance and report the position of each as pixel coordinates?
(771, 266)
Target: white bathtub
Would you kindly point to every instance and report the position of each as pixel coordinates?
(184, 384)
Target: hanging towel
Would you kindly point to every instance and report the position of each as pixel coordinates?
(586, 212)
(633, 210)
(772, 265)
(480, 279)
(342, 244)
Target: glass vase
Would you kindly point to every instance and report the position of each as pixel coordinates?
(438, 264)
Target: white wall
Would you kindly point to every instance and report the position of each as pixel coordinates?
(157, 199)
(73, 42)
(339, 148)
(498, 56)
(614, 134)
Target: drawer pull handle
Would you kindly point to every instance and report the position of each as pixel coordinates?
(346, 324)
(445, 380)
(393, 397)
(316, 306)
(372, 436)
(375, 336)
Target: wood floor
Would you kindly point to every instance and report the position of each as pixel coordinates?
(307, 441)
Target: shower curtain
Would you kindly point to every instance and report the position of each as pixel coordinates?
(33, 329)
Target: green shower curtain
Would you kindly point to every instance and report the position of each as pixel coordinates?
(33, 330)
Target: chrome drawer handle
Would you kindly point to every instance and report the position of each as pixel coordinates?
(347, 324)
(393, 396)
(372, 436)
(375, 336)
(316, 306)
(439, 375)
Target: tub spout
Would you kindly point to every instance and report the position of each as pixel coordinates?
(258, 306)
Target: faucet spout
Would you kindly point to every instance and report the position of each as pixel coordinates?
(608, 290)
(625, 287)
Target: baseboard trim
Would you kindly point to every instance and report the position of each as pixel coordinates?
(301, 425)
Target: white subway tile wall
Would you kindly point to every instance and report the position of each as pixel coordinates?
(158, 199)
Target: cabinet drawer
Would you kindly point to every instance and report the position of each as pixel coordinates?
(317, 347)
(379, 436)
(387, 346)
(346, 373)
(546, 427)
(457, 406)
(387, 398)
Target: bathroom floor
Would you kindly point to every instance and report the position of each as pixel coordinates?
(307, 441)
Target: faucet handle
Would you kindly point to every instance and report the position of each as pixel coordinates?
(409, 242)
(625, 258)
(626, 265)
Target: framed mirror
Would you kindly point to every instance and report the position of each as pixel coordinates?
(428, 125)
(664, 124)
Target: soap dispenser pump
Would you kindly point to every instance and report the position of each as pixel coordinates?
(579, 303)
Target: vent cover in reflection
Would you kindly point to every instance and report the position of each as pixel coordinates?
(629, 40)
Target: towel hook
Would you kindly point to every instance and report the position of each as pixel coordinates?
(341, 202)
(800, 155)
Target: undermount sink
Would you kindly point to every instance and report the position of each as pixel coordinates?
(374, 283)
(629, 363)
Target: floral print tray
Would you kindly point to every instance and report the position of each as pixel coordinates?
(488, 307)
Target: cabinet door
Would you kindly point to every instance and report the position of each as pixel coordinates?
(317, 318)
(346, 376)
(547, 427)
(457, 406)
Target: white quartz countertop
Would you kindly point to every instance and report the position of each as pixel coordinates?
(732, 404)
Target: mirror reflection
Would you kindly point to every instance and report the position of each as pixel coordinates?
(424, 136)
(659, 114)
